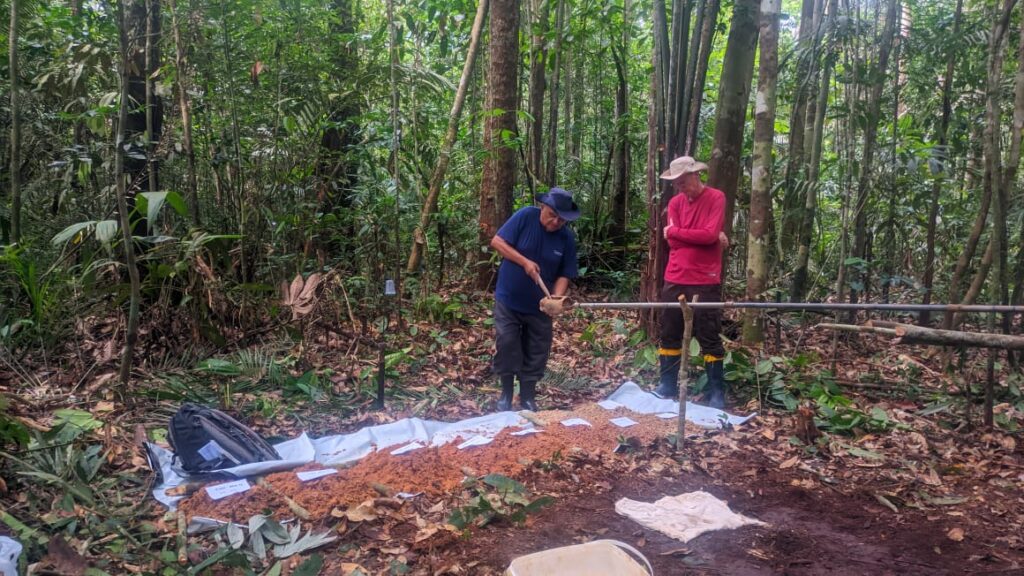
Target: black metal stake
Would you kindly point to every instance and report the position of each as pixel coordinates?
(379, 404)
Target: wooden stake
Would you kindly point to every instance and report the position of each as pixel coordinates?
(684, 378)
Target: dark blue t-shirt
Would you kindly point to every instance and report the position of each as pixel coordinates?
(554, 252)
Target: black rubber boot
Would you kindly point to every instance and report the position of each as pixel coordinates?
(668, 383)
(508, 384)
(714, 395)
(528, 396)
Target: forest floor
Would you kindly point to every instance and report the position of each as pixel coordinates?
(920, 488)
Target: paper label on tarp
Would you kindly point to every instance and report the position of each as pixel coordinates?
(609, 404)
(623, 422)
(307, 475)
(570, 422)
(227, 489)
(407, 448)
(527, 431)
(475, 441)
(211, 451)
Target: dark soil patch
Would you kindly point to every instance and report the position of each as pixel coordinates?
(810, 532)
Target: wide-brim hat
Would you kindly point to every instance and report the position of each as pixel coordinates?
(561, 202)
(683, 165)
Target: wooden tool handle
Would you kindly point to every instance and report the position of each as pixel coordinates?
(543, 286)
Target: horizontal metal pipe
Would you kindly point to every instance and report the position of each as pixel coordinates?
(808, 306)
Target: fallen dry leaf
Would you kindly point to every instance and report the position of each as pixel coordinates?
(64, 558)
(790, 463)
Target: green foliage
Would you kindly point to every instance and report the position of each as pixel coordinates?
(496, 498)
(262, 544)
(11, 430)
(786, 382)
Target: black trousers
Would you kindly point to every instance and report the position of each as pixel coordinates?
(707, 324)
(523, 343)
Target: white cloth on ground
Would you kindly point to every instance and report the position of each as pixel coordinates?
(684, 517)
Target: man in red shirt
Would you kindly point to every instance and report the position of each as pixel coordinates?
(695, 239)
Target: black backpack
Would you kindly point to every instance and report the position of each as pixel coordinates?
(205, 440)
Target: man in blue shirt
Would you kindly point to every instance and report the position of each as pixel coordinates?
(536, 247)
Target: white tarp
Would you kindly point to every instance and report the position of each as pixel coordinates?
(633, 397)
(684, 517)
(409, 434)
(342, 448)
(10, 550)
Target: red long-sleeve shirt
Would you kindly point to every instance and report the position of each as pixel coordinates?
(695, 255)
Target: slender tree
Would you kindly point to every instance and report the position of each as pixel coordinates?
(444, 156)
(185, 108)
(809, 215)
(873, 115)
(123, 210)
(620, 153)
(707, 39)
(733, 97)
(761, 174)
(792, 182)
(540, 12)
(15, 230)
(499, 170)
(144, 127)
(551, 166)
(928, 279)
(335, 170)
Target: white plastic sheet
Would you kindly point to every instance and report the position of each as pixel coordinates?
(683, 517)
(294, 453)
(633, 397)
(10, 550)
(409, 433)
(342, 448)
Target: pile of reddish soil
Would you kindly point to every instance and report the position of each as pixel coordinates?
(434, 471)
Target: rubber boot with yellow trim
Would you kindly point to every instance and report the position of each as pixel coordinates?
(714, 390)
(668, 381)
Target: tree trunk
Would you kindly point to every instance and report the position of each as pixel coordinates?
(799, 286)
(444, 156)
(1009, 184)
(691, 71)
(124, 214)
(792, 183)
(733, 97)
(551, 171)
(761, 173)
(707, 40)
(540, 10)
(185, 106)
(928, 280)
(860, 227)
(335, 172)
(15, 225)
(499, 171)
(620, 200)
(992, 179)
(145, 118)
(677, 81)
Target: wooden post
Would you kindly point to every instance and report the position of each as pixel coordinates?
(684, 360)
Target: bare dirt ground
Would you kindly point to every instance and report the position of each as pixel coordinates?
(896, 511)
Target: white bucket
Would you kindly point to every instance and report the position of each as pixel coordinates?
(597, 558)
